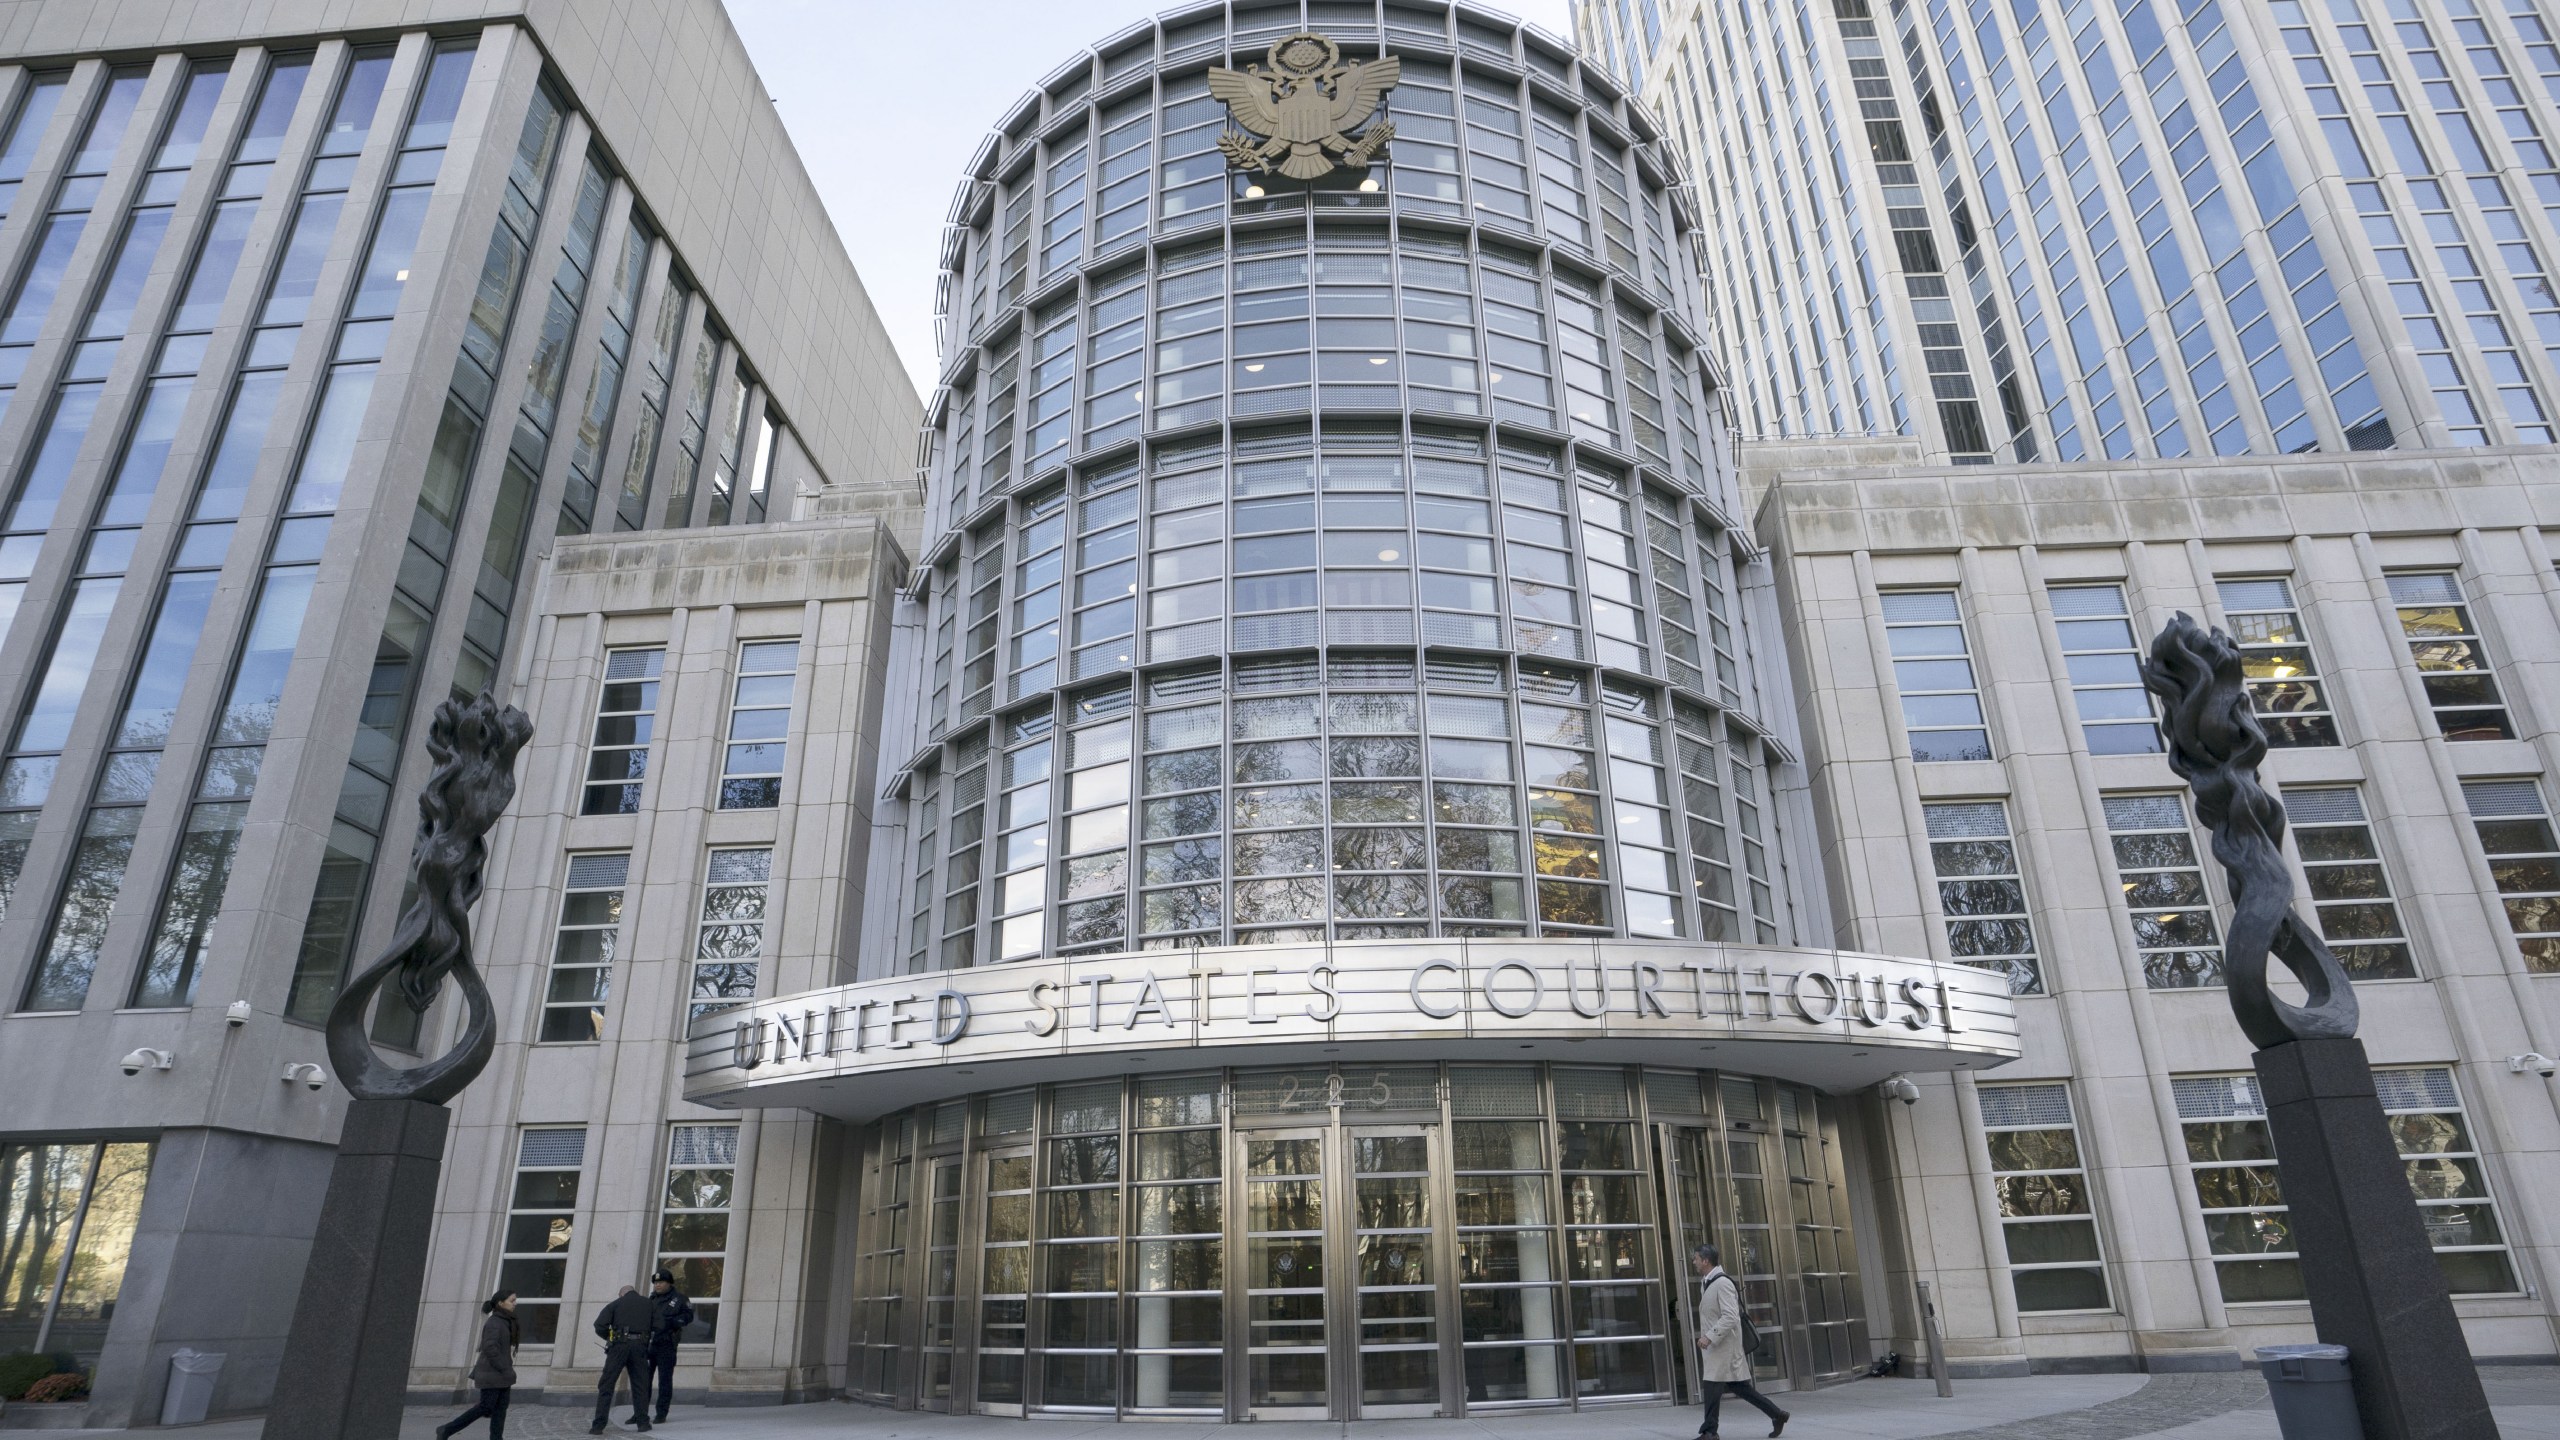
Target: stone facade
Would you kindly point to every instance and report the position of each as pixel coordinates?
(2016, 546)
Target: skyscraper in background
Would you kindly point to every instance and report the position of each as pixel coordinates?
(2118, 229)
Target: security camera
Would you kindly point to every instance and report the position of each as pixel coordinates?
(1899, 1087)
(238, 1015)
(312, 1076)
(2539, 1064)
(146, 1059)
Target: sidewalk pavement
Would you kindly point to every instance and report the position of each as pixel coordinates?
(2045, 1407)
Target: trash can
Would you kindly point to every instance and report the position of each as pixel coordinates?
(2309, 1386)
(192, 1374)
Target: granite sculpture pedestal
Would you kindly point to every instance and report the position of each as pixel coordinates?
(346, 1362)
(2366, 1263)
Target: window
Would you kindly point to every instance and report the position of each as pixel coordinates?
(1039, 591)
(1022, 847)
(1113, 395)
(1941, 707)
(1610, 571)
(1121, 203)
(2350, 889)
(1980, 892)
(2275, 655)
(1564, 820)
(2452, 664)
(1004, 1259)
(2046, 1214)
(1702, 800)
(759, 718)
(693, 1226)
(2231, 1154)
(1613, 1293)
(2232, 1160)
(1178, 1353)
(1181, 774)
(730, 939)
(626, 719)
(1647, 864)
(542, 1217)
(2104, 659)
(582, 957)
(67, 1218)
(2524, 859)
(2424, 1112)
(1078, 1267)
(1093, 879)
(2164, 891)
(1106, 581)
(1746, 815)
(1506, 1288)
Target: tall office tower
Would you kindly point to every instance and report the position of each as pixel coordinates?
(2149, 245)
(1330, 949)
(2117, 229)
(315, 343)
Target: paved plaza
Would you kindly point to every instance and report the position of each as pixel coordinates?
(2052, 1407)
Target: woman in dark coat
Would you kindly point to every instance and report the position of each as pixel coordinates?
(495, 1369)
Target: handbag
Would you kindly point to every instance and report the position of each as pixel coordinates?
(1750, 1333)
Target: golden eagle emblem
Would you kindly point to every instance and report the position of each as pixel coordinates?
(1300, 108)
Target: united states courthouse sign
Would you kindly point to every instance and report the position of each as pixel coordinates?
(1829, 1018)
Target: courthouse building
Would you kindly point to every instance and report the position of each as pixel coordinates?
(1337, 798)
(1340, 914)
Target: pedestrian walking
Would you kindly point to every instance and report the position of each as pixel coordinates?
(1722, 1335)
(674, 1314)
(624, 1325)
(494, 1371)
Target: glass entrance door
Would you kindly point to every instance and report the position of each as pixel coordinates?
(941, 1286)
(1004, 1281)
(1285, 1335)
(1396, 1270)
(1680, 1160)
(1751, 1251)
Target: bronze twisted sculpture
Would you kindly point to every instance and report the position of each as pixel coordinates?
(2368, 1264)
(2215, 744)
(474, 745)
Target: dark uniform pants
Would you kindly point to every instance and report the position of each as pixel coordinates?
(619, 1357)
(662, 1363)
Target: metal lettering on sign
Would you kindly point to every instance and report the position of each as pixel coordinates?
(1079, 1005)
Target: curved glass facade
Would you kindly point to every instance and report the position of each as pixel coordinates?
(1360, 1241)
(1350, 559)
(1355, 559)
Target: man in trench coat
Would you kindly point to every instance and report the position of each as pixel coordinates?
(1724, 1363)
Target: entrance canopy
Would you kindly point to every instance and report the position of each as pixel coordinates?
(1831, 1019)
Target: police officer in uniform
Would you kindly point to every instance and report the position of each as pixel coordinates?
(674, 1317)
(624, 1326)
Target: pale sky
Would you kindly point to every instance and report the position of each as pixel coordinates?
(887, 98)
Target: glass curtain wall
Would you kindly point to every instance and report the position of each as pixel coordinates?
(1347, 559)
(1367, 1240)
(67, 1215)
